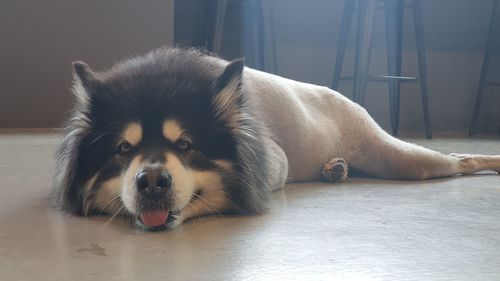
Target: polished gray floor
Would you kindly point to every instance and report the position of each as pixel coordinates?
(363, 229)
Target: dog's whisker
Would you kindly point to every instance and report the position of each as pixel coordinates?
(100, 136)
(108, 222)
(196, 215)
(205, 203)
(113, 123)
(110, 200)
(220, 192)
(112, 204)
(208, 206)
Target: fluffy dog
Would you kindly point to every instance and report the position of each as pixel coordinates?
(178, 133)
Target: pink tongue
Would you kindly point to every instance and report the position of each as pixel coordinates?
(154, 219)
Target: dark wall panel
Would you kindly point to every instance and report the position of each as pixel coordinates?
(39, 39)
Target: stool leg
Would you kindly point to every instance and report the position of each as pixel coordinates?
(219, 26)
(255, 38)
(209, 27)
(399, 59)
(260, 36)
(345, 26)
(391, 35)
(484, 71)
(479, 98)
(270, 60)
(357, 47)
(366, 21)
(422, 68)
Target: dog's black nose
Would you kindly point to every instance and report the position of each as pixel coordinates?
(153, 181)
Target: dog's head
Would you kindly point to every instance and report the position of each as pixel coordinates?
(160, 137)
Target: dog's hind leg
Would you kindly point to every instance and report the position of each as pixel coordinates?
(387, 157)
(335, 170)
(471, 163)
(371, 150)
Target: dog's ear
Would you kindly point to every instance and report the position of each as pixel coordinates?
(84, 82)
(66, 194)
(231, 77)
(227, 95)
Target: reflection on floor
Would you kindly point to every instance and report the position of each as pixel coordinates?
(363, 229)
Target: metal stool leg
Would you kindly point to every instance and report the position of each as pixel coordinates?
(259, 38)
(392, 40)
(484, 71)
(366, 18)
(419, 34)
(399, 59)
(219, 26)
(357, 48)
(345, 27)
(270, 60)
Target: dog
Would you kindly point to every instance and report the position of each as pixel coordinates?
(180, 133)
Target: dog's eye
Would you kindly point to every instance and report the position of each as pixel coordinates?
(183, 144)
(124, 148)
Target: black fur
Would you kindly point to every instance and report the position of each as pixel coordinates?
(167, 83)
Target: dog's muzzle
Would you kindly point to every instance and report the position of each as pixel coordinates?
(153, 183)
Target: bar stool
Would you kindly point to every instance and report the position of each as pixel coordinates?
(366, 13)
(262, 31)
(483, 80)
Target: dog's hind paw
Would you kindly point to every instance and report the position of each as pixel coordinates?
(335, 170)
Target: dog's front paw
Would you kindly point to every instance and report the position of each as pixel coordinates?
(335, 170)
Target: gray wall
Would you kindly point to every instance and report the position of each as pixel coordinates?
(306, 34)
(39, 39)
(306, 37)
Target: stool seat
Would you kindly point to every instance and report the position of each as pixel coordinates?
(366, 14)
(387, 78)
(384, 78)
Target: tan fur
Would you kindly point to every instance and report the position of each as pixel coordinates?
(224, 105)
(133, 133)
(224, 164)
(128, 186)
(212, 200)
(120, 192)
(107, 198)
(172, 130)
(182, 180)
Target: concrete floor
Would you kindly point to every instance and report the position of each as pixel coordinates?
(363, 229)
